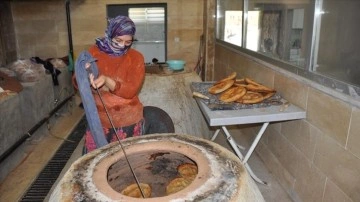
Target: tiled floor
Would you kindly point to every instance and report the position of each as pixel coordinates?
(27, 171)
(36, 154)
(272, 192)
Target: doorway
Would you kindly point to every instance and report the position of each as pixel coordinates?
(150, 20)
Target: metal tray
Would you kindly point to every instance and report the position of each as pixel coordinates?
(215, 104)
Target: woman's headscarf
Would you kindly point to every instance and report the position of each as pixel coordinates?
(118, 26)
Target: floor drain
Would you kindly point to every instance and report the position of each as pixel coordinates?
(40, 188)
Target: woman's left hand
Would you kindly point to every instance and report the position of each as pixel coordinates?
(102, 82)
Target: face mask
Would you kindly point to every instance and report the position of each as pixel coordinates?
(117, 45)
(119, 48)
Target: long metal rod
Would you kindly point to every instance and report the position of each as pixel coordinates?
(68, 20)
(122, 147)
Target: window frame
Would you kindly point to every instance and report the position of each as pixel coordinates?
(308, 71)
(113, 10)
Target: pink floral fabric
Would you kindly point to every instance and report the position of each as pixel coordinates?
(122, 133)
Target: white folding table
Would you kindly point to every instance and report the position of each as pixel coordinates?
(265, 115)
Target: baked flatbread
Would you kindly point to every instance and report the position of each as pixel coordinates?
(232, 94)
(256, 87)
(188, 170)
(250, 81)
(232, 76)
(220, 87)
(267, 95)
(177, 184)
(240, 81)
(251, 98)
(133, 190)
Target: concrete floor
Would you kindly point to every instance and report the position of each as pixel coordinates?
(29, 168)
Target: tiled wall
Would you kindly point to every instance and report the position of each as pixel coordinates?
(41, 27)
(315, 159)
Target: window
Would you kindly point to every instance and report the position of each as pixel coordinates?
(316, 39)
(150, 20)
(337, 45)
(281, 30)
(233, 28)
(253, 31)
(150, 23)
(229, 21)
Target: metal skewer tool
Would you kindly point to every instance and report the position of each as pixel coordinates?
(117, 137)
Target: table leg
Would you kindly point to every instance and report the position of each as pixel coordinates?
(216, 134)
(232, 143)
(255, 142)
(248, 154)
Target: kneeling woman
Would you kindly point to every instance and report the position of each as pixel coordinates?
(116, 73)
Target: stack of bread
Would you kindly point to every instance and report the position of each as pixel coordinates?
(244, 90)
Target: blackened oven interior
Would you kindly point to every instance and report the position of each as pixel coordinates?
(156, 168)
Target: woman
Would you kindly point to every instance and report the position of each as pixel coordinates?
(120, 75)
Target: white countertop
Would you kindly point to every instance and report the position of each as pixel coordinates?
(247, 116)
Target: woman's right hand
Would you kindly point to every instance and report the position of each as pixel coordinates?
(101, 81)
(104, 82)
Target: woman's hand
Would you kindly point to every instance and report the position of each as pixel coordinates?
(101, 81)
(98, 82)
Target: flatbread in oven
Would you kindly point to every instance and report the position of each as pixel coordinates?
(188, 170)
(177, 185)
(133, 190)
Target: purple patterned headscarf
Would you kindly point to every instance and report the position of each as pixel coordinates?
(118, 26)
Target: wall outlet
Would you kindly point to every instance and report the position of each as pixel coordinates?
(177, 39)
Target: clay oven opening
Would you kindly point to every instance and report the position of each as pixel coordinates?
(157, 168)
(101, 175)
